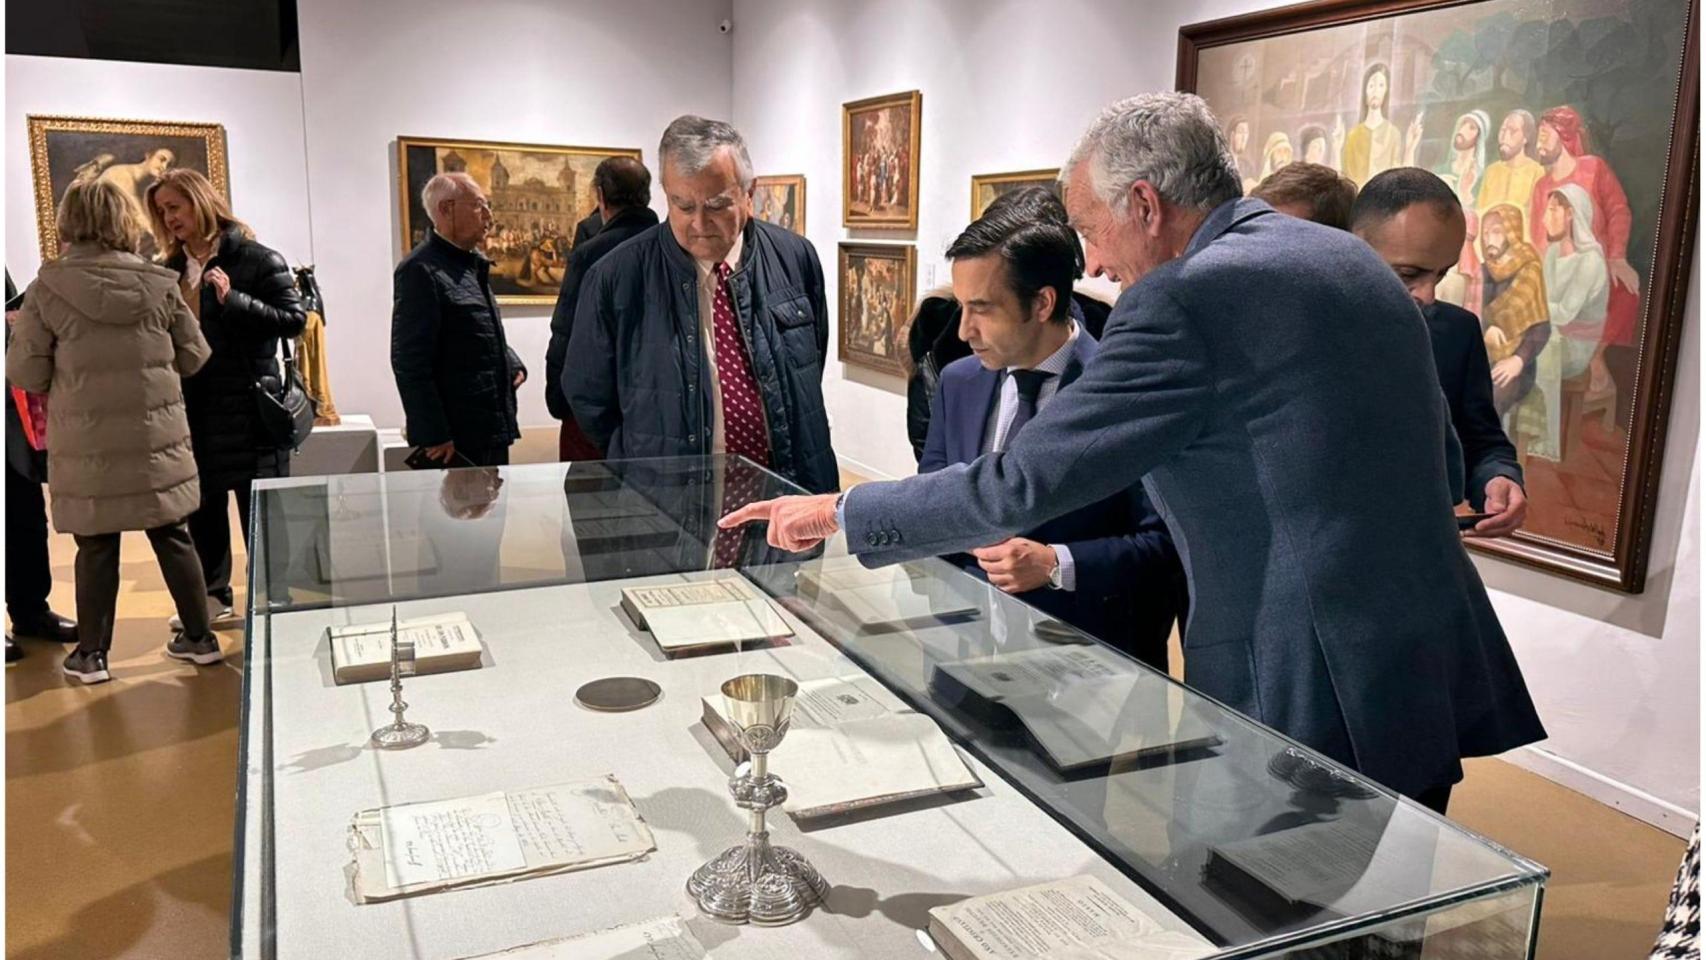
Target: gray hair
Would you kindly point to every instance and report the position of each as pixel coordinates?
(442, 187)
(1170, 140)
(692, 142)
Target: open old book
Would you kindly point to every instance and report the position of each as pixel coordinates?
(1078, 918)
(1082, 705)
(704, 614)
(416, 848)
(362, 651)
(853, 744)
(885, 599)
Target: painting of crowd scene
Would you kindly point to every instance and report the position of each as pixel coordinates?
(538, 194)
(880, 157)
(1552, 123)
(876, 305)
(781, 200)
(129, 153)
(985, 187)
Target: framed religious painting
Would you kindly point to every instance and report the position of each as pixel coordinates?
(538, 194)
(879, 161)
(985, 187)
(129, 153)
(1569, 130)
(781, 200)
(876, 294)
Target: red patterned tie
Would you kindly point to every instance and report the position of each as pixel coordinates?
(744, 432)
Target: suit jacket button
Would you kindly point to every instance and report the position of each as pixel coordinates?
(871, 540)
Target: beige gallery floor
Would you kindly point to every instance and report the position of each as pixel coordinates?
(119, 807)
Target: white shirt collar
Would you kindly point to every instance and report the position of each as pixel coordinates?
(732, 259)
(1056, 362)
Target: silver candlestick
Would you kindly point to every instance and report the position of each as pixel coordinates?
(755, 881)
(400, 734)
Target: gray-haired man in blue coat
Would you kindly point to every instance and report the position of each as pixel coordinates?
(1271, 382)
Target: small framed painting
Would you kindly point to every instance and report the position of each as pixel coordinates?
(876, 293)
(985, 187)
(781, 200)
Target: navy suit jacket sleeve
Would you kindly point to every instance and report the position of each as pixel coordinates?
(1487, 452)
(1109, 565)
(935, 455)
(1144, 397)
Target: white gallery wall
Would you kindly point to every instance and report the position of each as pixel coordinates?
(569, 73)
(1010, 86)
(260, 109)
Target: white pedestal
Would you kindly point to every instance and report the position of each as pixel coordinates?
(350, 447)
(393, 450)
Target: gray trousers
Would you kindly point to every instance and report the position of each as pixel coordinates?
(97, 583)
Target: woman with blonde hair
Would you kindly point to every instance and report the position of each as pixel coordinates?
(246, 299)
(106, 335)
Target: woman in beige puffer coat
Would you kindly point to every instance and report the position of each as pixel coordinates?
(106, 335)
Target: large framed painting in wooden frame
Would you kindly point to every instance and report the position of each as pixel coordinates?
(130, 153)
(879, 161)
(1570, 131)
(876, 293)
(538, 194)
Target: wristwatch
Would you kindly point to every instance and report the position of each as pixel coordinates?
(1054, 582)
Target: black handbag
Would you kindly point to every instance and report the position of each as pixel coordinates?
(287, 411)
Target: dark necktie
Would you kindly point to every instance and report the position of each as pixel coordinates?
(1030, 383)
(744, 432)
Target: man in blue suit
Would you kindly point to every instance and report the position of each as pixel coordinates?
(1271, 382)
(1109, 568)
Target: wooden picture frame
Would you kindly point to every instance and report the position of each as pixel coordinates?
(534, 218)
(781, 199)
(879, 161)
(985, 187)
(876, 286)
(130, 153)
(1456, 73)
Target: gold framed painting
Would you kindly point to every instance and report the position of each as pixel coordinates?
(130, 153)
(781, 199)
(876, 292)
(538, 194)
(879, 161)
(985, 187)
(1576, 171)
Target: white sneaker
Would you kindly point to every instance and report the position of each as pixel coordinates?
(219, 615)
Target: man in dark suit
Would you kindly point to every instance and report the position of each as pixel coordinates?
(1415, 222)
(624, 188)
(589, 227)
(1110, 568)
(1271, 382)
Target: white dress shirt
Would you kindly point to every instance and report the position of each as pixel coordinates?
(1001, 418)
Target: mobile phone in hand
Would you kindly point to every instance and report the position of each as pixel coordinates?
(1467, 521)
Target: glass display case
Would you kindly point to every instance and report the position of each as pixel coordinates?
(1089, 762)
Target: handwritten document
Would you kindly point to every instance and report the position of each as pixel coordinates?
(663, 938)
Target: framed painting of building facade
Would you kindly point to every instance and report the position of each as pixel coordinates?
(879, 161)
(876, 293)
(985, 187)
(538, 193)
(129, 153)
(1569, 130)
(781, 200)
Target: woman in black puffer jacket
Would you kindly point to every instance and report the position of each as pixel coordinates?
(246, 299)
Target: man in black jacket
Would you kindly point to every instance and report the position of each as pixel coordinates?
(623, 187)
(707, 334)
(1415, 222)
(455, 371)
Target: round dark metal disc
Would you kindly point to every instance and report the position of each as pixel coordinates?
(617, 694)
